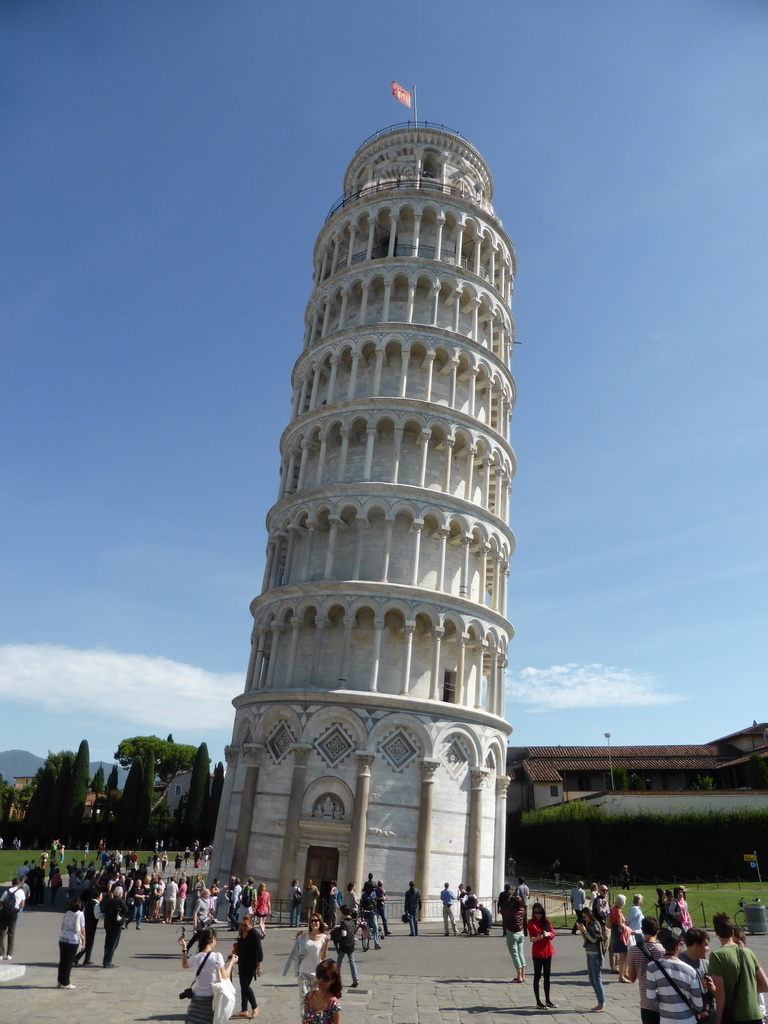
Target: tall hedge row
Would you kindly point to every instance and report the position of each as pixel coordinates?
(587, 841)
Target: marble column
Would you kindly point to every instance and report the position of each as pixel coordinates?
(223, 856)
(252, 755)
(424, 838)
(474, 830)
(360, 822)
(292, 818)
(499, 838)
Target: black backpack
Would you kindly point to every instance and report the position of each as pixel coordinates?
(343, 938)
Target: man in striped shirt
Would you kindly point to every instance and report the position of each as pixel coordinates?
(637, 965)
(683, 1001)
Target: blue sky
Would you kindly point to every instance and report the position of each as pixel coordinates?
(164, 171)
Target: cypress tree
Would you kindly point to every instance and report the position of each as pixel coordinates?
(97, 782)
(38, 807)
(58, 818)
(112, 781)
(213, 807)
(194, 820)
(77, 792)
(130, 804)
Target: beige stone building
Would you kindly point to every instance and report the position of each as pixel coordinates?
(370, 735)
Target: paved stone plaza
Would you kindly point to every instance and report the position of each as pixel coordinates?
(430, 980)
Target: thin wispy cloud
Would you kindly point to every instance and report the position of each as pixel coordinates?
(585, 686)
(102, 682)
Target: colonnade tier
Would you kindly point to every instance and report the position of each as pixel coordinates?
(411, 293)
(332, 641)
(413, 368)
(426, 228)
(400, 542)
(436, 453)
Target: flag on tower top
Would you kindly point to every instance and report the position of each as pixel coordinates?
(401, 94)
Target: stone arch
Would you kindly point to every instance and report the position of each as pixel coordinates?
(454, 730)
(328, 786)
(385, 734)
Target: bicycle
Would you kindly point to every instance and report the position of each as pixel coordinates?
(365, 933)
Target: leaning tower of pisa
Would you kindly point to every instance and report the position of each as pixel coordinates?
(370, 735)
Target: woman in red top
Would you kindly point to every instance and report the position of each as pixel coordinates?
(541, 934)
(263, 907)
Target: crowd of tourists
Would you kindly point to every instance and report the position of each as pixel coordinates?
(679, 978)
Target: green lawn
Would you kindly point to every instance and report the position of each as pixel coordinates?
(704, 899)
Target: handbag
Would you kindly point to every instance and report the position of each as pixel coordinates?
(405, 918)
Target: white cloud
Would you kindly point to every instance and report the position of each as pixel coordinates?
(131, 686)
(585, 686)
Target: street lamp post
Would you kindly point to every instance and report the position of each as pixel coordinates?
(610, 761)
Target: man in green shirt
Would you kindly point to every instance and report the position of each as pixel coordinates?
(737, 975)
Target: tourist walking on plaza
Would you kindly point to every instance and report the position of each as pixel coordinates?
(309, 899)
(640, 955)
(673, 987)
(91, 924)
(380, 895)
(310, 947)
(447, 898)
(469, 903)
(541, 934)
(592, 934)
(412, 907)
(322, 1006)
(11, 906)
(250, 956)
(696, 954)
(619, 936)
(294, 913)
(263, 907)
(578, 900)
(115, 912)
(343, 937)
(71, 938)
(635, 914)
(515, 921)
(737, 975)
(208, 966)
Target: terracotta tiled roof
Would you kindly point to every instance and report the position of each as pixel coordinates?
(547, 763)
(540, 771)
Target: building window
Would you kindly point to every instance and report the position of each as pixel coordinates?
(178, 791)
(553, 791)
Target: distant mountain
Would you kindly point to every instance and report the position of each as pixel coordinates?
(18, 764)
(15, 764)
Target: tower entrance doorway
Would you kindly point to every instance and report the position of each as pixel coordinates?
(322, 867)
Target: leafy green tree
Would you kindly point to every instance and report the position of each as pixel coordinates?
(77, 790)
(167, 759)
(620, 779)
(638, 783)
(757, 772)
(97, 782)
(112, 781)
(703, 782)
(194, 813)
(213, 807)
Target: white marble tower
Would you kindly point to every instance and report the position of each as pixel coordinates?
(371, 733)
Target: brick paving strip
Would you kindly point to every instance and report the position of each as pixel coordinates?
(429, 979)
